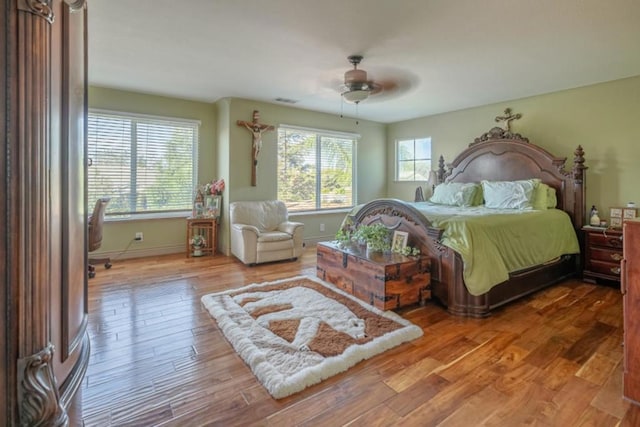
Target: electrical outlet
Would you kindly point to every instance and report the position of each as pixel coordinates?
(321, 227)
(139, 237)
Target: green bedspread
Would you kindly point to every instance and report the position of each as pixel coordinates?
(495, 242)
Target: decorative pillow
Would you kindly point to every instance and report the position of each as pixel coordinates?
(544, 197)
(540, 196)
(552, 200)
(509, 194)
(455, 193)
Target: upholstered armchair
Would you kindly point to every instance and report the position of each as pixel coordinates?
(261, 232)
(95, 223)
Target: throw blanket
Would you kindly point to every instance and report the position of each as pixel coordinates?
(496, 242)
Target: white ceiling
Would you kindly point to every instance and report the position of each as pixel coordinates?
(445, 54)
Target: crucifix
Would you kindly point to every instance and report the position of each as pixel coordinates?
(508, 118)
(256, 129)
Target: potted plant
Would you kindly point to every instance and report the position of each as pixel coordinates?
(198, 242)
(376, 237)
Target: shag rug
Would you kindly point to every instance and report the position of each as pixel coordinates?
(299, 331)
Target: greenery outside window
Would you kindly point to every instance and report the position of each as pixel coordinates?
(316, 169)
(413, 159)
(145, 164)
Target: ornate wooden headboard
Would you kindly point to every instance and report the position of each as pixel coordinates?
(500, 155)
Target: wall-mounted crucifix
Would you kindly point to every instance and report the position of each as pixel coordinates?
(256, 129)
(508, 118)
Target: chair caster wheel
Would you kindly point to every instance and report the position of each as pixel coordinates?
(107, 265)
(92, 274)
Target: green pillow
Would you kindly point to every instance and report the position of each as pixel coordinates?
(552, 200)
(455, 194)
(509, 194)
(540, 196)
(544, 197)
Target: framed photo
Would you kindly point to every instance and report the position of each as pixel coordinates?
(212, 206)
(399, 241)
(616, 222)
(629, 213)
(615, 213)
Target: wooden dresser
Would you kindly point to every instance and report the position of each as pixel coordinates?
(630, 287)
(602, 253)
(386, 281)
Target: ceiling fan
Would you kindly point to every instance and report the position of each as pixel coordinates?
(356, 87)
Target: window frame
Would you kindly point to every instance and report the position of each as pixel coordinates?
(414, 159)
(319, 134)
(136, 119)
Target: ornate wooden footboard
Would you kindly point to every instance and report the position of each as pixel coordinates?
(496, 155)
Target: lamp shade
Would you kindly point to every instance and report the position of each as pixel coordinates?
(355, 96)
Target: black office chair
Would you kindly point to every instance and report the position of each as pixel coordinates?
(96, 220)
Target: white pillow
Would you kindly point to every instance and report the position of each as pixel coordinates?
(455, 193)
(509, 194)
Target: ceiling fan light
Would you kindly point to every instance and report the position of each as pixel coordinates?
(355, 96)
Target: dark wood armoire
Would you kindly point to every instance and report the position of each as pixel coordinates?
(44, 347)
(630, 287)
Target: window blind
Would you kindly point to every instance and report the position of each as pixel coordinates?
(144, 164)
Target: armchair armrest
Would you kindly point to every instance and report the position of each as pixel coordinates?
(289, 227)
(246, 227)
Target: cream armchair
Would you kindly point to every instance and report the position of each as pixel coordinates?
(261, 232)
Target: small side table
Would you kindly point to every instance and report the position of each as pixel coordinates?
(206, 227)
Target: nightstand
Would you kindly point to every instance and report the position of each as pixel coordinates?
(602, 253)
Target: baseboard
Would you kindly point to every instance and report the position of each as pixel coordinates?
(139, 253)
(317, 239)
(166, 250)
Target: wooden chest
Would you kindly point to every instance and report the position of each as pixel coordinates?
(386, 281)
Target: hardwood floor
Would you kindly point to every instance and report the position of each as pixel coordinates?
(157, 358)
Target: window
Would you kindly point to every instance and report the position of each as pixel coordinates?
(145, 164)
(316, 169)
(413, 159)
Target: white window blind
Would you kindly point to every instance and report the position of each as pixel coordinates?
(413, 159)
(316, 169)
(144, 164)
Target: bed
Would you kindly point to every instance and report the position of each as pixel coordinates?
(497, 155)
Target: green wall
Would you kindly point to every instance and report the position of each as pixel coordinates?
(603, 118)
(371, 149)
(225, 152)
(160, 235)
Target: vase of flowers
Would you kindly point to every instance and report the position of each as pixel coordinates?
(197, 243)
(214, 188)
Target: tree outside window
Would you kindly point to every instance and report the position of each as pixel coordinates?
(315, 170)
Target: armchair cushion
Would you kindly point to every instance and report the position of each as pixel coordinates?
(261, 232)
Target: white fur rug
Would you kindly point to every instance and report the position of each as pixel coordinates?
(299, 331)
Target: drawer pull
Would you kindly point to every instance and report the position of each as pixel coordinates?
(616, 257)
(615, 270)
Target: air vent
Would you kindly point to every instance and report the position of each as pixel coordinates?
(286, 100)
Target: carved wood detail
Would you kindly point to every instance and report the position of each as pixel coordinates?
(498, 133)
(38, 398)
(41, 8)
(30, 226)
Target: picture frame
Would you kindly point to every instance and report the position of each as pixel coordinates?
(198, 210)
(212, 206)
(615, 222)
(629, 213)
(615, 213)
(399, 241)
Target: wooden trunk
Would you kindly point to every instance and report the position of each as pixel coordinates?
(386, 281)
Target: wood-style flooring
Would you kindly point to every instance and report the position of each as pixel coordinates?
(157, 358)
